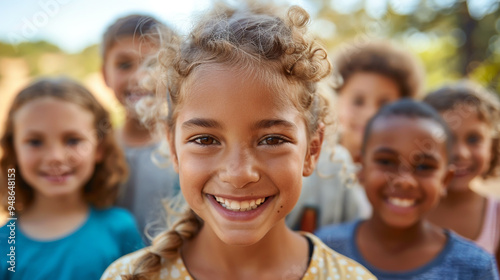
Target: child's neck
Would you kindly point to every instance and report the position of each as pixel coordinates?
(56, 206)
(134, 134)
(49, 218)
(402, 249)
(270, 258)
(461, 211)
(391, 237)
(458, 197)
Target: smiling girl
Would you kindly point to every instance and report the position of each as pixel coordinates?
(473, 114)
(59, 141)
(245, 123)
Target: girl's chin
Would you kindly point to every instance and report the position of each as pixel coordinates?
(459, 185)
(240, 238)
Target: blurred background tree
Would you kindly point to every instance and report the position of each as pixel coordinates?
(454, 38)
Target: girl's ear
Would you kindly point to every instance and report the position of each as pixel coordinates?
(173, 152)
(314, 150)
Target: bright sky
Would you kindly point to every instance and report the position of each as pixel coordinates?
(76, 24)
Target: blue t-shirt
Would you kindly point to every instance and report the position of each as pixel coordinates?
(459, 259)
(105, 236)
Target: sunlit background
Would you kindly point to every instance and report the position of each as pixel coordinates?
(454, 38)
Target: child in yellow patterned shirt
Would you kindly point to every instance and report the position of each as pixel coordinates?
(245, 122)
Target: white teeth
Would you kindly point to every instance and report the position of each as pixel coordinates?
(244, 204)
(235, 205)
(401, 202)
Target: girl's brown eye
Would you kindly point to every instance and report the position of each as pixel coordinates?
(205, 140)
(272, 141)
(358, 101)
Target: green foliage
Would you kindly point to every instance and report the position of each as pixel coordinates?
(452, 41)
(46, 59)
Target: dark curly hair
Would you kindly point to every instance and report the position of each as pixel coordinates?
(384, 58)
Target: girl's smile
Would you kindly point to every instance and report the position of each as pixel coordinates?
(240, 210)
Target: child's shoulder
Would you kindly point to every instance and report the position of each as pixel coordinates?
(342, 231)
(112, 212)
(123, 265)
(173, 269)
(461, 259)
(326, 263)
(114, 217)
(466, 252)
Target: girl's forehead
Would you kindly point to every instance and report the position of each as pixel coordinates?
(399, 131)
(226, 94)
(45, 108)
(244, 80)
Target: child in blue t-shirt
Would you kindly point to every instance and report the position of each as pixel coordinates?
(406, 168)
(60, 170)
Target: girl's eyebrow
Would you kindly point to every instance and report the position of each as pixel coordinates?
(422, 155)
(210, 123)
(199, 122)
(385, 150)
(275, 122)
(33, 132)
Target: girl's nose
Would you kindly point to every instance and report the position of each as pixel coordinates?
(56, 154)
(404, 179)
(239, 168)
(460, 151)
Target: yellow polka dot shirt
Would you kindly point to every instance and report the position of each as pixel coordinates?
(325, 264)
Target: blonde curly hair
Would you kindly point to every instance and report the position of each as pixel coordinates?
(254, 39)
